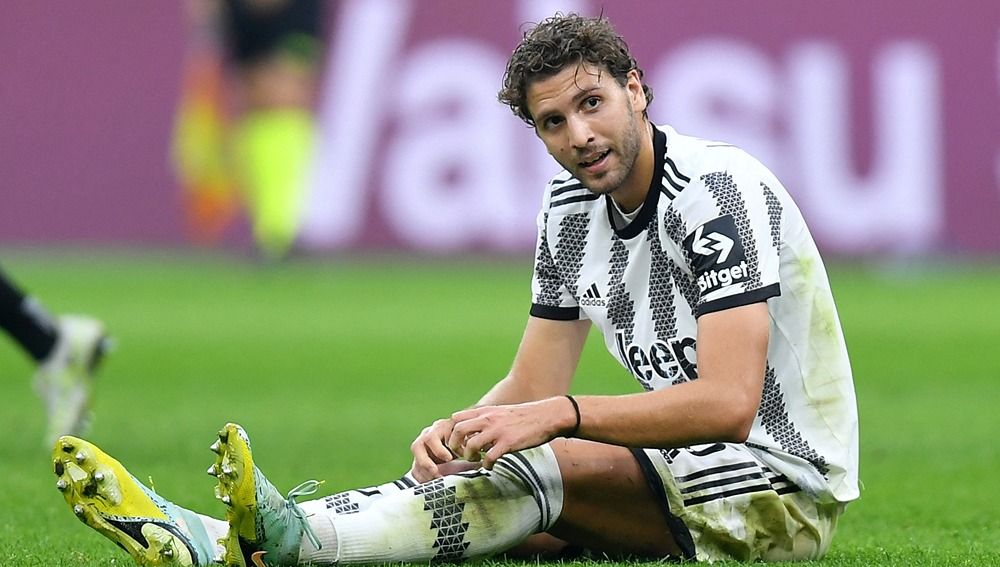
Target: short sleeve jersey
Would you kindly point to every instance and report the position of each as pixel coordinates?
(717, 230)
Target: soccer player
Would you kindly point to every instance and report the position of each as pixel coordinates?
(67, 350)
(273, 50)
(697, 268)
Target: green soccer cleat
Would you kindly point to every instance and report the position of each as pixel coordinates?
(107, 498)
(65, 378)
(264, 526)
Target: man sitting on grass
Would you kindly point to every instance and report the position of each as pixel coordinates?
(695, 265)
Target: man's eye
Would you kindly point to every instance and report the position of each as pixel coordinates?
(592, 102)
(552, 122)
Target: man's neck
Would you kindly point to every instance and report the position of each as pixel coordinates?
(632, 193)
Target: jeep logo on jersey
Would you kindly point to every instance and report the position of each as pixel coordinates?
(674, 361)
(717, 256)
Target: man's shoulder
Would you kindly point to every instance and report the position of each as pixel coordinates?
(564, 194)
(696, 157)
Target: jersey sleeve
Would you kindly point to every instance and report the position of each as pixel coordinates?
(730, 237)
(550, 298)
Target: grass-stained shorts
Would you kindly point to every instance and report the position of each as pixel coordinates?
(722, 503)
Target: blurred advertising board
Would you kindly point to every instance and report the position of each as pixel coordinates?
(882, 118)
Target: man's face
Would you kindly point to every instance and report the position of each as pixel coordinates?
(590, 124)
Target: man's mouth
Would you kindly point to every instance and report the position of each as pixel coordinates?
(595, 160)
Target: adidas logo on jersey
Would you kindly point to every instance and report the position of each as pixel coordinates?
(592, 297)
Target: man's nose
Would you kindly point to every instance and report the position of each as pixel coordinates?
(580, 133)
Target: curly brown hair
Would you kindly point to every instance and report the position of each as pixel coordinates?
(558, 41)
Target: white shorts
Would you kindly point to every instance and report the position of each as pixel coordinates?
(723, 503)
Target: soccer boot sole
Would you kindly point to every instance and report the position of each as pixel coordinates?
(103, 495)
(234, 468)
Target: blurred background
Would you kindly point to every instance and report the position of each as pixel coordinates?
(882, 122)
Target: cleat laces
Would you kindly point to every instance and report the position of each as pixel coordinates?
(307, 488)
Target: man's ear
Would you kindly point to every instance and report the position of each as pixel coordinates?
(633, 84)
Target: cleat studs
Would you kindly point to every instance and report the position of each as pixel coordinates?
(62, 485)
(226, 499)
(80, 457)
(227, 470)
(223, 436)
(78, 510)
(58, 467)
(167, 552)
(213, 470)
(67, 447)
(216, 447)
(98, 476)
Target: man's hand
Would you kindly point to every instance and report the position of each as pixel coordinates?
(543, 367)
(430, 450)
(488, 433)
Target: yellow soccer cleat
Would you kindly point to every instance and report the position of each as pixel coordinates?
(264, 526)
(154, 531)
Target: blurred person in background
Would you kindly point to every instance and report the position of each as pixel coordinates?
(66, 351)
(245, 123)
(697, 268)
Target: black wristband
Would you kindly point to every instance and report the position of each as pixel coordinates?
(576, 408)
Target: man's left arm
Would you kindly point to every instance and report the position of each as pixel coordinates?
(720, 406)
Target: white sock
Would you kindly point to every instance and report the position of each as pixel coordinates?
(205, 533)
(320, 511)
(217, 530)
(354, 501)
(465, 515)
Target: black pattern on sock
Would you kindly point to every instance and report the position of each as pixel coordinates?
(446, 512)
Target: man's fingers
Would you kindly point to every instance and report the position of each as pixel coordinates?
(430, 446)
(422, 474)
(439, 452)
(429, 450)
(423, 469)
(488, 461)
(466, 430)
(456, 441)
(476, 446)
(492, 456)
(466, 448)
(464, 415)
(427, 457)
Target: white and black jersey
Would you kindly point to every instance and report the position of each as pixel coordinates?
(717, 230)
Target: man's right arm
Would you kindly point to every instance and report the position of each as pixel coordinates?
(543, 367)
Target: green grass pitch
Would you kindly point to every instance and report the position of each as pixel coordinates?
(333, 366)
